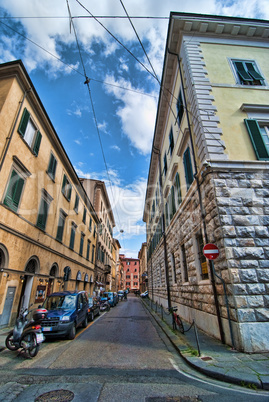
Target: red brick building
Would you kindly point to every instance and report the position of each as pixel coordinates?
(130, 273)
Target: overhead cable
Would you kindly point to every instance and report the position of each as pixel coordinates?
(87, 82)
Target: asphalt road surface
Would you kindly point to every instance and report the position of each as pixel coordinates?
(122, 356)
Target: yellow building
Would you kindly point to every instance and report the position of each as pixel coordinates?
(208, 180)
(47, 222)
(96, 191)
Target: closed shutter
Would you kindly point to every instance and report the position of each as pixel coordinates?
(52, 167)
(256, 139)
(43, 214)
(37, 143)
(60, 228)
(24, 121)
(188, 167)
(14, 191)
(179, 198)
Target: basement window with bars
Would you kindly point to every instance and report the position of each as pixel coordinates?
(247, 72)
(201, 258)
(29, 132)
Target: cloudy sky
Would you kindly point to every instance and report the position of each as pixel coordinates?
(108, 132)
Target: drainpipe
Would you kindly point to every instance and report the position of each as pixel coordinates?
(9, 138)
(201, 205)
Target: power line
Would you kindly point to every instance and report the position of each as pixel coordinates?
(117, 40)
(87, 82)
(87, 17)
(71, 67)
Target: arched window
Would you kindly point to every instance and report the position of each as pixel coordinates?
(32, 266)
(3, 256)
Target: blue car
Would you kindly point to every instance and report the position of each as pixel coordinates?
(66, 311)
(111, 297)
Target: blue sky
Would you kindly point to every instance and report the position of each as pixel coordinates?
(124, 93)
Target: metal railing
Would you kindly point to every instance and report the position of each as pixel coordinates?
(167, 317)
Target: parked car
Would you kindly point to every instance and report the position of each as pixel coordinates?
(145, 294)
(111, 298)
(66, 311)
(93, 308)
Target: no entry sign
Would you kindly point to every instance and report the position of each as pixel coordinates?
(211, 251)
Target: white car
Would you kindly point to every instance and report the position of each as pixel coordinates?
(145, 294)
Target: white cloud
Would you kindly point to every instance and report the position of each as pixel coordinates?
(127, 202)
(137, 113)
(115, 147)
(77, 142)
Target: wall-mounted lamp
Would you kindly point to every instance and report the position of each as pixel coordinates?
(46, 280)
(22, 278)
(41, 280)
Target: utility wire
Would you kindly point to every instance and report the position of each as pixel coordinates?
(73, 68)
(87, 82)
(88, 17)
(117, 40)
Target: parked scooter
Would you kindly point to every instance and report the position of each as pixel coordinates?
(27, 334)
(104, 305)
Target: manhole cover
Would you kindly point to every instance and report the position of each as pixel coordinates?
(59, 395)
(206, 358)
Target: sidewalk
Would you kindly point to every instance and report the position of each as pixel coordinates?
(216, 360)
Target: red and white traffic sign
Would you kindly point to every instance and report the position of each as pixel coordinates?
(211, 251)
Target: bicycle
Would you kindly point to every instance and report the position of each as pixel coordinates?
(177, 323)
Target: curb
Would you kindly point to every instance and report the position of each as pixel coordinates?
(196, 363)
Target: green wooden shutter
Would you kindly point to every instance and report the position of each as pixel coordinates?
(253, 72)
(256, 139)
(37, 143)
(84, 215)
(242, 72)
(188, 167)
(171, 141)
(76, 203)
(52, 166)
(179, 197)
(173, 200)
(72, 237)
(24, 121)
(43, 214)
(14, 191)
(60, 229)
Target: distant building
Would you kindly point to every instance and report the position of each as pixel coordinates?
(47, 236)
(96, 191)
(130, 273)
(208, 180)
(143, 271)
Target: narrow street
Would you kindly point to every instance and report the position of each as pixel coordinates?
(122, 356)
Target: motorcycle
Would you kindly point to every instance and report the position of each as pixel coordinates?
(27, 334)
(104, 305)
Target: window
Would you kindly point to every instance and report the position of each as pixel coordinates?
(135, 276)
(94, 232)
(188, 167)
(247, 73)
(127, 283)
(29, 132)
(14, 191)
(201, 257)
(88, 250)
(61, 223)
(84, 215)
(82, 236)
(180, 108)
(178, 190)
(184, 264)
(72, 236)
(173, 268)
(93, 248)
(52, 167)
(43, 210)
(171, 141)
(90, 224)
(259, 136)
(165, 164)
(66, 188)
(128, 276)
(76, 204)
